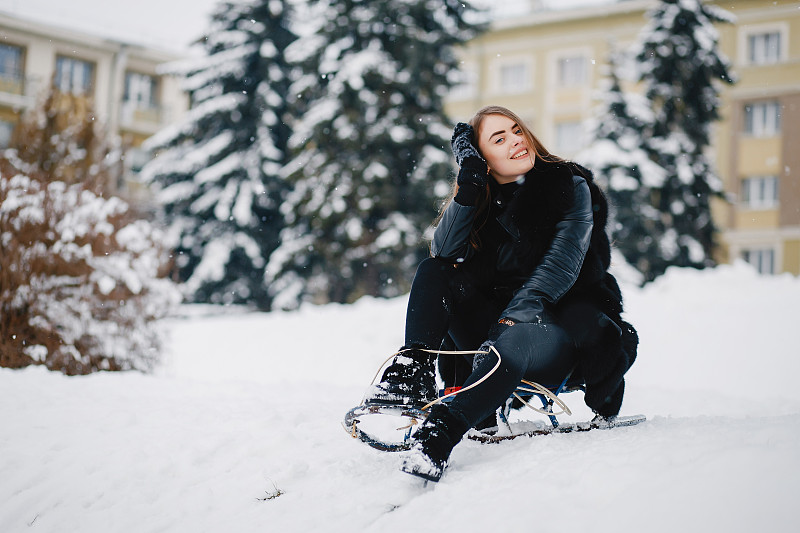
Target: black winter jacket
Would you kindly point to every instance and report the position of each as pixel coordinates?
(544, 250)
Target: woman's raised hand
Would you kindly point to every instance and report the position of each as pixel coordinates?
(474, 171)
(461, 144)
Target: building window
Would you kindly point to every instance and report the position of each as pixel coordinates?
(762, 259)
(141, 89)
(572, 71)
(569, 137)
(11, 69)
(74, 75)
(514, 78)
(140, 101)
(6, 129)
(764, 48)
(762, 119)
(760, 192)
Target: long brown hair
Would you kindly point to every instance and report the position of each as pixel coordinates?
(536, 150)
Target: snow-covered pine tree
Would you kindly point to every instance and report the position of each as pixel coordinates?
(620, 158)
(371, 146)
(681, 67)
(217, 173)
(82, 280)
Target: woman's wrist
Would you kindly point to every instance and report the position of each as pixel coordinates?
(468, 193)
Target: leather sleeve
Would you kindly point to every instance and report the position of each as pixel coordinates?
(451, 237)
(561, 264)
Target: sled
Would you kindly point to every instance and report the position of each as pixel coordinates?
(384, 427)
(390, 428)
(533, 429)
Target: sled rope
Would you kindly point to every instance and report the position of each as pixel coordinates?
(535, 387)
(547, 393)
(457, 352)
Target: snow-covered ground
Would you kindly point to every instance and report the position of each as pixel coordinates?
(240, 430)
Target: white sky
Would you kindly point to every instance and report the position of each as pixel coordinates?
(166, 24)
(172, 24)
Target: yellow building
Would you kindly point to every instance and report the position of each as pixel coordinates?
(120, 79)
(548, 66)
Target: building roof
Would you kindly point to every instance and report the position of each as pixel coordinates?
(170, 26)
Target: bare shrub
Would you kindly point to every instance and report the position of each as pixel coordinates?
(82, 281)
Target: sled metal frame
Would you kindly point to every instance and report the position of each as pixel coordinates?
(549, 398)
(412, 414)
(415, 415)
(598, 422)
(523, 394)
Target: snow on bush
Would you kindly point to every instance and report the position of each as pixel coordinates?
(81, 281)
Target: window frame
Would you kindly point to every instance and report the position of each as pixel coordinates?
(565, 71)
(19, 72)
(767, 125)
(760, 192)
(762, 258)
(759, 53)
(86, 90)
(525, 63)
(749, 32)
(154, 91)
(14, 82)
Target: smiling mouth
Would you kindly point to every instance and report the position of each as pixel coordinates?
(521, 154)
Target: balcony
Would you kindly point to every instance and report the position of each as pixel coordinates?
(18, 91)
(140, 117)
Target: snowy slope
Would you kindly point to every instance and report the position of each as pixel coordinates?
(250, 404)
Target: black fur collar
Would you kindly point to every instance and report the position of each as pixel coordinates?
(531, 215)
(543, 197)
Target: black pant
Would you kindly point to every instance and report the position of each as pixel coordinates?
(444, 304)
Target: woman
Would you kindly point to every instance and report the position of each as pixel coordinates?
(519, 264)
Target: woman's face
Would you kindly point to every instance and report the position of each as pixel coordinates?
(503, 146)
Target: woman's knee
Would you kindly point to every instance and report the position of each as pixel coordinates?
(541, 349)
(503, 361)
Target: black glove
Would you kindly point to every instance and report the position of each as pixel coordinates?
(461, 144)
(473, 173)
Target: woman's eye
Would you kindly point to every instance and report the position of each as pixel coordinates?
(498, 140)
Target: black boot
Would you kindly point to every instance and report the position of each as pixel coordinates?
(409, 381)
(435, 439)
(488, 425)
